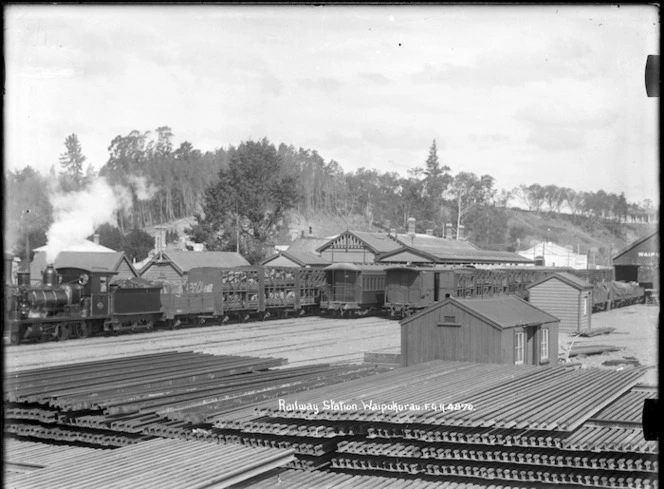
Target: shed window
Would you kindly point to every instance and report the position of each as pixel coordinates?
(584, 309)
(519, 348)
(102, 284)
(449, 321)
(544, 351)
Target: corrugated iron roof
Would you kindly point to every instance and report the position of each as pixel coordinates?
(300, 258)
(568, 278)
(307, 244)
(357, 267)
(448, 250)
(378, 241)
(186, 260)
(426, 242)
(87, 260)
(84, 246)
(505, 311)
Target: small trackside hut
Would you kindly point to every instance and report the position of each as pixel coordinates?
(502, 329)
(565, 296)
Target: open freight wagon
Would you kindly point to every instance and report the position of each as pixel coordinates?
(239, 293)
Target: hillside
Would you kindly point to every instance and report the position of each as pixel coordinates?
(319, 225)
(561, 229)
(604, 239)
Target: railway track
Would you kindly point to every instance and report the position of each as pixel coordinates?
(302, 340)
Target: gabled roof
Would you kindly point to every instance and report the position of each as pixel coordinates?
(301, 258)
(549, 248)
(445, 252)
(183, 261)
(501, 312)
(358, 267)
(307, 244)
(376, 243)
(426, 242)
(635, 244)
(80, 259)
(85, 245)
(568, 278)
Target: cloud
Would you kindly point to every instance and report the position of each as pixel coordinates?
(557, 139)
(324, 84)
(376, 78)
(568, 58)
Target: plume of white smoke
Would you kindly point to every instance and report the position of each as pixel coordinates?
(144, 189)
(76, 215)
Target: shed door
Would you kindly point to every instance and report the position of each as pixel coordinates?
(531, 346)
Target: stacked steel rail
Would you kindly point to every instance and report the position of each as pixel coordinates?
(528, 427)
(518, 426)
(161, 464)
(294, 479)
(119, 402)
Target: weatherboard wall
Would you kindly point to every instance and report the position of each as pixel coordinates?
(429, 337)
(564, 302)
(162, 272)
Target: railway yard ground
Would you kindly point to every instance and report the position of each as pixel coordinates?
(310, 340)
(235, 443)
(636, 333)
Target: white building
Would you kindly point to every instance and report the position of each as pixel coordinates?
(555, 255)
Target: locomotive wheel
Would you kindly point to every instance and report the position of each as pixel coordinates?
(63, 332)
(82, 329)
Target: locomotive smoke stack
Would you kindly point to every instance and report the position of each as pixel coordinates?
(50, 276)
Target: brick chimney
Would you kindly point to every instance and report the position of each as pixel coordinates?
(411, 225)
(95, 238)
(449, 231)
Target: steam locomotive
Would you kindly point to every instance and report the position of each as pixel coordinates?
(78, 302)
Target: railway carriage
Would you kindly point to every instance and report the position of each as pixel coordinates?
(353, 289)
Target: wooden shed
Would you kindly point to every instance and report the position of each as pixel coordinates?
(173, 266)
(502, 329)
(565, 296)
(639, 262)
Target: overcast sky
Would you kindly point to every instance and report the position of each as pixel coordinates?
(552, 95)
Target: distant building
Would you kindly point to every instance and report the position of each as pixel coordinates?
(114, 261)
(639, 262)
(428, 249)
(173, 266)
(502, 329)
(85, 245)
(554, 255)
(357, 247)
